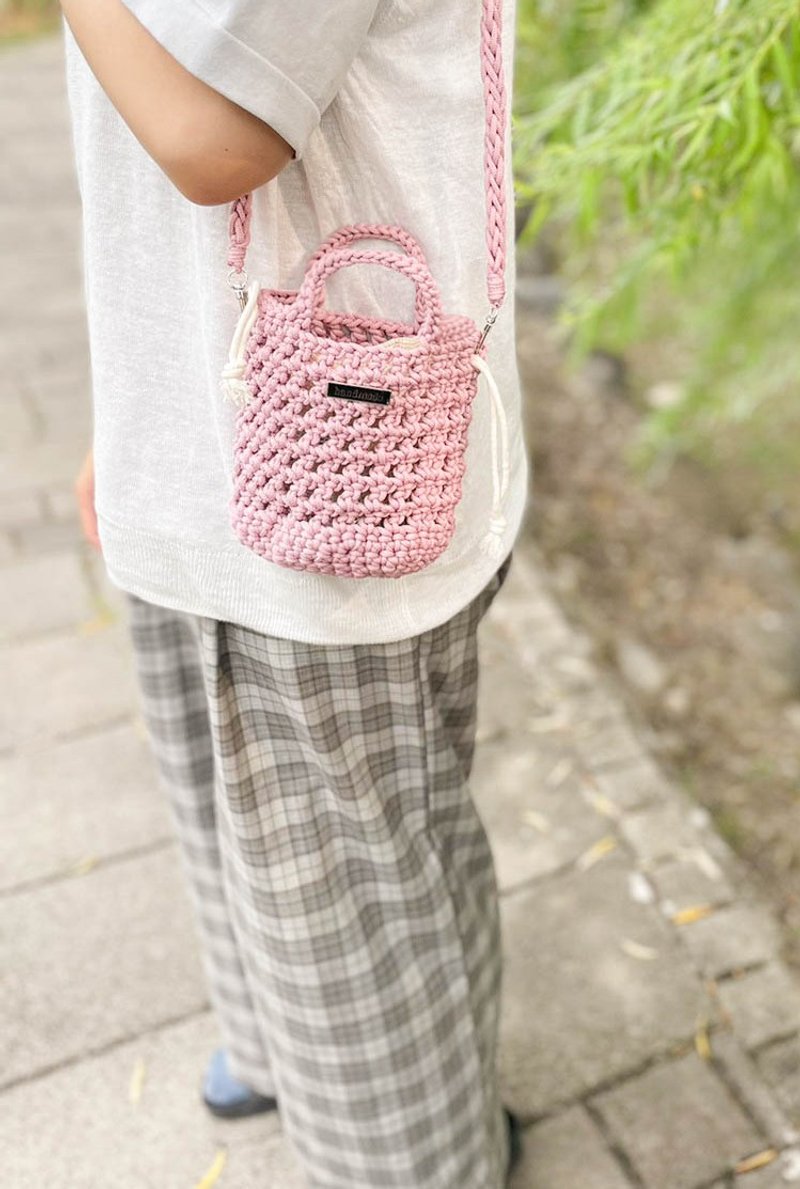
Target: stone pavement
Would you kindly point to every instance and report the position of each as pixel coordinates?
(651, 1033)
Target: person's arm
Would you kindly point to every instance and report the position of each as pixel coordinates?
(209, 147)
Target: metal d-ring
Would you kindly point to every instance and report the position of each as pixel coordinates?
(237, 279)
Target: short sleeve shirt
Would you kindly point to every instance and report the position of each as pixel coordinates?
(382, 102)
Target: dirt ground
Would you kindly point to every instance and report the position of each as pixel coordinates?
(689, 592)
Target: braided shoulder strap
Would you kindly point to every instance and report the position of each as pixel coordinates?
(494, 162)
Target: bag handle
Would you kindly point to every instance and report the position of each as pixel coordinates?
(345, 236)
(494, 161)
(310, 297)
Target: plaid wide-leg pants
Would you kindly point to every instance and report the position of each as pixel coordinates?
(343, 885)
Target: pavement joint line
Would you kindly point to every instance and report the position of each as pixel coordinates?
(23, 750)
(618, 1153)
(788, 1134)
(773, 1042)
(76, 733)
(673, 1052)
(568, 868)
(103, 1050)
(782, 1038)
(67, 874)
(735, 972)
(60, 632)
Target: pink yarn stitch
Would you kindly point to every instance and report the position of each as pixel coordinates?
(347, 487)
(494, 93)
(328, 482)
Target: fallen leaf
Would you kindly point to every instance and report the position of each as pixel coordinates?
(702, 1043)
(559, 773)
(602, 805)
(532, 817)
(751, 1163)
(597, 851)
(214, 1173)
(83, 866)
(137, 1081)
(99, 623)
(687, 916)
(645, 953)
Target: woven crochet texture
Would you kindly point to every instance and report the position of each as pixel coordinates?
(350, 487)
(332, 485)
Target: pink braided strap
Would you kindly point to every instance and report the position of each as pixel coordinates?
(239, 232)
(494, 90)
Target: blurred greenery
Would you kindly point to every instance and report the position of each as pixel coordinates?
(20, 19)
(657, 145)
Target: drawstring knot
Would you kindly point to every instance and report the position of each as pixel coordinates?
(492, 543)
(234, 386)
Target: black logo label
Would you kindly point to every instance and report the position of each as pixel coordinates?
(375, 396)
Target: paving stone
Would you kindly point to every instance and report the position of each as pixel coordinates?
(77, 1128)
(578, 1009)
(742, 1076)
(96, 796)
(633, 783)
(659, 832)
(49, 537)
(596, 704)
(43, 594)
(763, 1005)
(536, 826)
(770, 1177)
(41, 465)
(8, 550)
(70, 420)
(600, 745)
(730, 939)
(28, 348)
(678, 1124)
(684, 883)
(565, 1152)
(780, 1066)
(61, 503)
(507, 698)
(61, 382)
(19, 423)
(20, 511)
(62, 684)
(96, 959)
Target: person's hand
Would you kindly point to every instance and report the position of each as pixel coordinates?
(84, 493)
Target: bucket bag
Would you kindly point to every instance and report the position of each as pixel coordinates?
(351, 431)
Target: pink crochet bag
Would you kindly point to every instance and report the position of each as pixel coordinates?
(351, 431)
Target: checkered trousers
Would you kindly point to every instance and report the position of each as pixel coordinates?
(343, 885)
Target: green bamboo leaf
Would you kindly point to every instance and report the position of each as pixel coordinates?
(785, 73)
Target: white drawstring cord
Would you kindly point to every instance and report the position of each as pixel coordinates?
(234, 386)
(492, 543)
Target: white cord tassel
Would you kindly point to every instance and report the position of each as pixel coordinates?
(234, 385)
(492, 542)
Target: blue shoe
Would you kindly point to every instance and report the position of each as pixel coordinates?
(227, 1097)
(514, 1141)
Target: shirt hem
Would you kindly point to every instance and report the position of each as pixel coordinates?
(238, 586)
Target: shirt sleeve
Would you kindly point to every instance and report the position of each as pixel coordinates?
(282, 60)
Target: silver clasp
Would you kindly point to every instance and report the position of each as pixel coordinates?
(238, 283)
(491, 318)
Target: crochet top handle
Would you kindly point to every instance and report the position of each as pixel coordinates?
(310, 296)
(494, 92)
